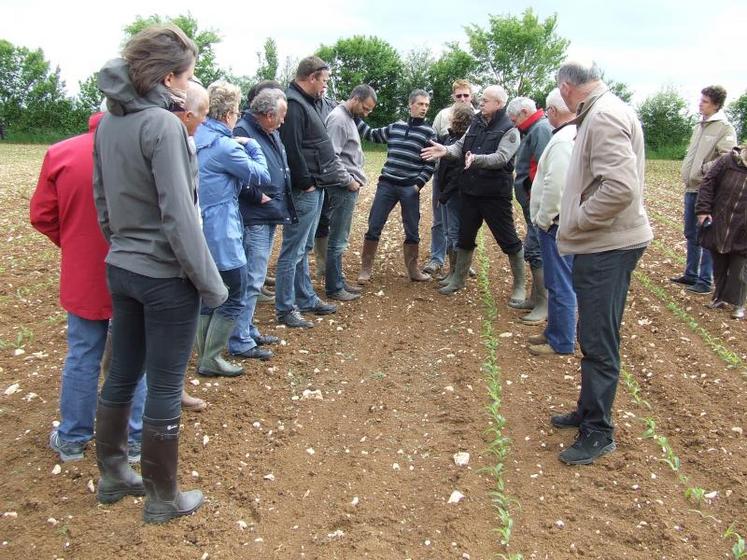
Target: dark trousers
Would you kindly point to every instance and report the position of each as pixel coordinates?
(601, 282)
(497, 213)
(729, 276)
(153, 328)
(235, 281)
(386, 198)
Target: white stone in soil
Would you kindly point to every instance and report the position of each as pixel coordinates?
(456, 497)
(461, 459)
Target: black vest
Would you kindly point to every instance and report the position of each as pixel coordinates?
(482, 138)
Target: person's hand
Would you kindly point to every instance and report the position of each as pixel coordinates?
(312, 188)
(354, 186)
(703, 217)
(417, 188)
(265, 199)
(468, 159)
(433, 152)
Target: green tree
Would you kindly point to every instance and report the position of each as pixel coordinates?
(207, 69)
(454, 64)
(367, 60)
(620, 89)
(268, 61)
(89, 97)
(518, 53)
(416, 71)
(737, 112)
(666, 124)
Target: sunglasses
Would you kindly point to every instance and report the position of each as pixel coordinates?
(462, 95)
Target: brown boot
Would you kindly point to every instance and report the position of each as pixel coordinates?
(367, 259)
(410, 250)
(192, 404)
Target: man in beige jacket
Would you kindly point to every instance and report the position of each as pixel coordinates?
(604, 225)
(712, 137)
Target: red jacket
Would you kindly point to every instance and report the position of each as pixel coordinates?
(62, 208)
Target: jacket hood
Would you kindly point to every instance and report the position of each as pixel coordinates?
(719, 115)
(210, 132)
(94, 120)
(121, 97)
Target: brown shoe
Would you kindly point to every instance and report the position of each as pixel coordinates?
(192, 404)
(542, 350)
(536, 339)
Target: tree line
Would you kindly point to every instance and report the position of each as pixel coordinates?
(520, 53)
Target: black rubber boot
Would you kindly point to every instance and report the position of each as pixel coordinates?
(159, 461)
(117, 477)
(446, 278)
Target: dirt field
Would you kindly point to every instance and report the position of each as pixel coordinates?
(367, 470)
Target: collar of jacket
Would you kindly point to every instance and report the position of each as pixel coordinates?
(585, 106)
(562, 126)
(530, 120)
(312, 100)
(218, 127)
(717, 116)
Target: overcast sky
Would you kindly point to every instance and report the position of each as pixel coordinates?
(648, 44)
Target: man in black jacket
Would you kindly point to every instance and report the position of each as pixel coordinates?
(486, 187)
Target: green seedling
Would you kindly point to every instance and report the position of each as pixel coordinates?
(738, 551)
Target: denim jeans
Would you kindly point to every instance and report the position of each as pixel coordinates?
(438, 225)
(450, 214)
(699, 264)
(293, 286)
(341, 206)
(601, 281)
(257, 246)
(386, 198)
(80, 382)
(153, 329)
(561, 299)
(235, 281)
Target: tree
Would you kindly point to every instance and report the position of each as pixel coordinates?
(206, 69)
(416, 71)
(737, 112)
(367, 60)
(519, 54)
(454, 64)
(620, 89)
(268, 61)
(89, 96)
(666, 123)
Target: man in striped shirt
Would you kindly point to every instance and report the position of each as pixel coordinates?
(403, 176)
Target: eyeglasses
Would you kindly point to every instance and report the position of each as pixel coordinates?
(462, 95)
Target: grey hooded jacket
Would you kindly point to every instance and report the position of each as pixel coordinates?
(144, 188)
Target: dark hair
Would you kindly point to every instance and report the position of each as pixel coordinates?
(155, 52)
(461, 117)
(716, 94)
(363, 92)
(259, 86)
(310, 66)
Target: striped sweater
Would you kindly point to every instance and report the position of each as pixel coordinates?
(404, 140)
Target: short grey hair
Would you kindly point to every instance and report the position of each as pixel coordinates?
(520, 104)
(496, 92)
(578, 73)
(196, 94)
(224, 98)
(554, 99)
(363, 92)
(267, 102)
(417, 93)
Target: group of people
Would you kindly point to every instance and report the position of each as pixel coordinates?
(189, 192)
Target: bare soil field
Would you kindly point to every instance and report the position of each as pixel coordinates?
(342, 446)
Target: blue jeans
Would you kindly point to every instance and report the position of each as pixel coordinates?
(450, 214)
(80, 382)
(601, 281)
(561, 299)
(153, 329)
(235, 281)
(699, 264)
(293, 286)
(386, 198)
(438, 226)
(257, 246)
(341, 206)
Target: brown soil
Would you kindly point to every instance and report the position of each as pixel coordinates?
(366, 471)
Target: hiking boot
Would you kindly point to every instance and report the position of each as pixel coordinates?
(343, 295)
(537, 339)
(432, 267)
(295, 320)
(67, 450)
(352, 288)
(567, 420)
(589, 445)
(266, 339)
(699, 289)
(684, 280)
(256, 353)
(321, 308)
(133, 452)
(542, 350)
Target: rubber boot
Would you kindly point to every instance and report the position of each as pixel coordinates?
(159, 460)
(518, 291)
(410, 251)
(461, 271)
(367, 259)
(203, 322)
(212, 362)
(117, 477)
(445, 279)
(539, 295)
(320, 254)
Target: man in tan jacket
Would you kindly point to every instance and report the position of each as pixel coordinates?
(604, 225)
(712, 137)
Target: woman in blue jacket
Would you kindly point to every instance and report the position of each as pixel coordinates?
(228, 166)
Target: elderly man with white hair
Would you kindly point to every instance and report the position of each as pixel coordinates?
(604, 225)
(559, 336)
(486, 187)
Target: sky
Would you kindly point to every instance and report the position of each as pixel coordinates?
(648, 44)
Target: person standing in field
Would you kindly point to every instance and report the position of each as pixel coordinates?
(712, 137)
(604, 225)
